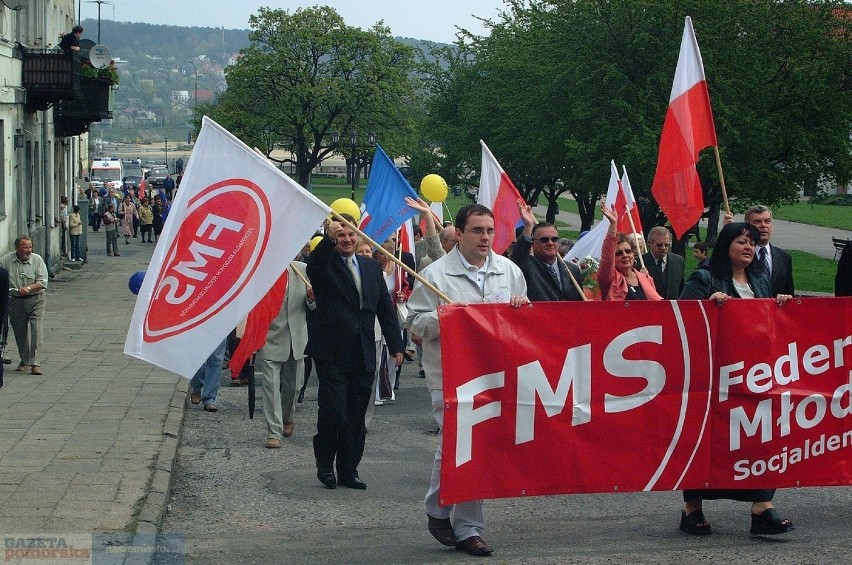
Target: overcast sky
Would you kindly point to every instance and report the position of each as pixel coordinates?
(434, 20)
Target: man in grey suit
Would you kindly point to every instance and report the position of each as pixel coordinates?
(282, 359)
(770, 259)
(665, 268)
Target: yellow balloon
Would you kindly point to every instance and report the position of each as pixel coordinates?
(346, 206)
(434, 188)
(315, 241)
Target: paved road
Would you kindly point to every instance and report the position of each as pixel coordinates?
(235, 501)
(89, 448)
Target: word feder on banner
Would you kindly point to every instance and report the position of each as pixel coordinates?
(634, 396)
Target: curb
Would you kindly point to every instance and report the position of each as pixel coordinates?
(157, 500)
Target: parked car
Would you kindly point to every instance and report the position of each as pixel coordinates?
(156, 176)
(134, 175)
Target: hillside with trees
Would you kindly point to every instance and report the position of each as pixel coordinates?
(158, 81)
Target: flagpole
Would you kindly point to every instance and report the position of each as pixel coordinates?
(391, 256)
(721, 179)
(301, 276)
(633, 227)
(573, 280)
(381, 249)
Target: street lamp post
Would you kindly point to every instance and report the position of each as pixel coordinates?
(194, 66)
(167, 152)
(353, 137)
(98, 2)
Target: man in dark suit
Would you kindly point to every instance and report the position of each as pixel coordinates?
(665, 268)
(548, 278)
(350, 294)
(770, 259)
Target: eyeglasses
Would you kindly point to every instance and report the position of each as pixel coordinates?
(481, 231)
(621, 252)
(546, 239)
(663, 245)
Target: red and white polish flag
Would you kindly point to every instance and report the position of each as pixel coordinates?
(234, 227)
(625, 206)
(687, 130)
(498, 193)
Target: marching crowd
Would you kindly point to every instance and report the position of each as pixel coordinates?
(354, 314)
(127, 212)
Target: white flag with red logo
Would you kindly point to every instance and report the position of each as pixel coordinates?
(234, 226)
(497, 192)
(687, 130)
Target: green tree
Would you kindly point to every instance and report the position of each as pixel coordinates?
(308, 74)
(559, 88)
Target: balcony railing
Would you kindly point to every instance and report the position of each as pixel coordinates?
(72, 117)
(49, 77)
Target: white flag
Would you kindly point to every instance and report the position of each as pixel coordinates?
(590, 244)
(233, 228)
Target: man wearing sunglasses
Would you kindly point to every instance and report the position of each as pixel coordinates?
(665, 268)
(548, 278)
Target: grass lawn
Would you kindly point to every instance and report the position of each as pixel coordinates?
(816, 214)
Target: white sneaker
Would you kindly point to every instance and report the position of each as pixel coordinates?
(378, 403)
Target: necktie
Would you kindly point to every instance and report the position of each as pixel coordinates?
(353, 268)
(660, 264)
(554, 273)
(761, 267)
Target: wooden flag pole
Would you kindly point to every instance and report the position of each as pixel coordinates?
(633, 227)
(573, 280)
(381, 249)
(301, 276)
(392, 257)
(721, 179)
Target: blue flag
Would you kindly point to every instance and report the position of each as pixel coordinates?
(384, 209)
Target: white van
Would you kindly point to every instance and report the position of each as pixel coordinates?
(108, 173)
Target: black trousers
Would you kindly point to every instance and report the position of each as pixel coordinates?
(342, 399)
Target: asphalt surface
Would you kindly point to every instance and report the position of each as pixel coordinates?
(234, 501)
(97, 447)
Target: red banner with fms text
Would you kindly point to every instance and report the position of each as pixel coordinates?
(568, 397)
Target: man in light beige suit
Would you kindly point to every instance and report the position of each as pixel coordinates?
(282, 359)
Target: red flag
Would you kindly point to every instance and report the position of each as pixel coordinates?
(624, 203)
(497, 191)
(687, 130)
(258, 322)
(142, 189)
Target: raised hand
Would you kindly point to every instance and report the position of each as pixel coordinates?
(526, 213)
(609, 214)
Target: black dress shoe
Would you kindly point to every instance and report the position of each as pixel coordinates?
(326, 477)
(301, 397)
(474, 545)
(353, 482)
(442, 530)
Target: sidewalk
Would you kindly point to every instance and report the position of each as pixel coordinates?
(787, 235)
(89, 446)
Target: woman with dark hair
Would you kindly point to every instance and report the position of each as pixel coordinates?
(732, 275)
(618, 279)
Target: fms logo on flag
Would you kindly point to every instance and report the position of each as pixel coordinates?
(213, 256)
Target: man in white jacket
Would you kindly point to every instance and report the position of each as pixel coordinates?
(470, 273)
